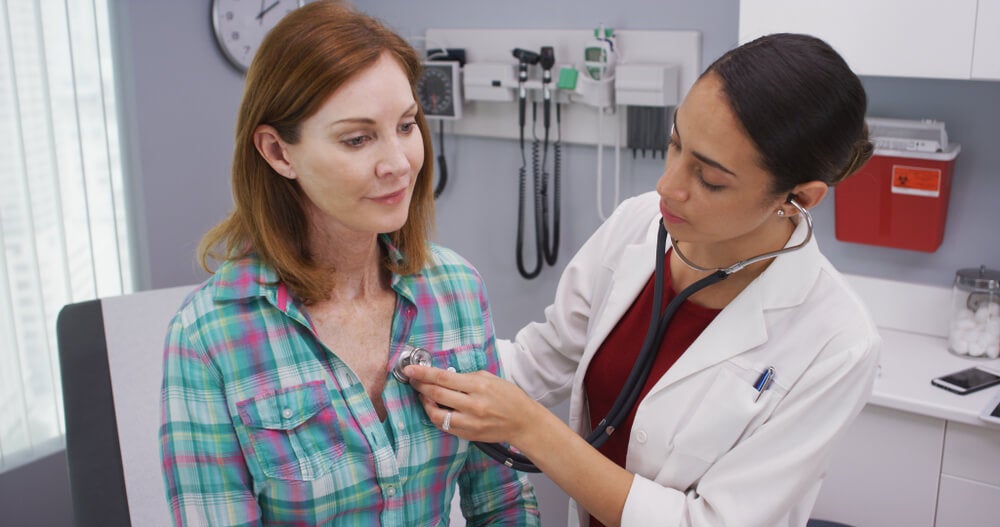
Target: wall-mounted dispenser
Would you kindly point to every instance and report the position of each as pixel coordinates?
(899, 198)
(490, 81)
(647, 85)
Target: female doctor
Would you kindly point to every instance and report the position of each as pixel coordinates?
(758, 374)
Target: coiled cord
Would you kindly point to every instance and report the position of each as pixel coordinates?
(546, 239)
(442, 163)
(551, 246)
(522, 173)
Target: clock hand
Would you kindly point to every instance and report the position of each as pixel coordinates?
(266, 9)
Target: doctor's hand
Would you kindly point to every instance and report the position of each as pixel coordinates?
(484, 407)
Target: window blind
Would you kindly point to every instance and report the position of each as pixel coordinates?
(63, 231)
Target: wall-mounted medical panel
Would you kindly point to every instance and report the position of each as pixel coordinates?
(661, 66)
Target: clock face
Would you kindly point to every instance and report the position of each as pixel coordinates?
(240, 25)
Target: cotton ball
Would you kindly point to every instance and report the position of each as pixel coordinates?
(993, 309)
(992, 344)
(983, 313)
(962, 324)
(965, 314)
(959, 345)
(977, 349)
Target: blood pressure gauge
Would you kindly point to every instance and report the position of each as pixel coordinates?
(439, 90)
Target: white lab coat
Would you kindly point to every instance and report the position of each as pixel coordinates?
(703, 452)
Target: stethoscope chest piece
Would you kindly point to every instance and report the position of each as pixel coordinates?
(410, 355)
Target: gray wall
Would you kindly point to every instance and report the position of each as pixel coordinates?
(182, 98)
(37, 494)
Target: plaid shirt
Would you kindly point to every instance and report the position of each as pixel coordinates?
(263, 424)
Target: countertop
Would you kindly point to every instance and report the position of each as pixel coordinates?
(907, 364)
(913, 320)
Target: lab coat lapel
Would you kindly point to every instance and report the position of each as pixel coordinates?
(742, 325)
(737, 328)
(633, 270)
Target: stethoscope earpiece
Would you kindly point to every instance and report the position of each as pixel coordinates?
(410, 355)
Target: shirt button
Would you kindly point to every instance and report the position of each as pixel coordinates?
(286, 413)
(401, 425)
(640, 436)
(390, 491)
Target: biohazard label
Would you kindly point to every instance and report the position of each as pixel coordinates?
(916, 181)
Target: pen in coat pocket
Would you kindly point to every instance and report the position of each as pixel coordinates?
(763, 382)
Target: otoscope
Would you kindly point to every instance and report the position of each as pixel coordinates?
(550, 246)
(526, 58)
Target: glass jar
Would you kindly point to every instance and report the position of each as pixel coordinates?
(975, 313)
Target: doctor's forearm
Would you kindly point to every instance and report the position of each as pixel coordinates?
(598, 484)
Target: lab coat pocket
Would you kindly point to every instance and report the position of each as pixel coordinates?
(721, 418)
(293, 432)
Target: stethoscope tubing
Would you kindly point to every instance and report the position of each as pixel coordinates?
(654, 337)
(640, 370)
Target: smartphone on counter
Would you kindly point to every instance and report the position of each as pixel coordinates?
(968, 380)
(991, 412)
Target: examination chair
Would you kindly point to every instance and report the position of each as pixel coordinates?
(110, 355)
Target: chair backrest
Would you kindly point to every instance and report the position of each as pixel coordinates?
(111, 358)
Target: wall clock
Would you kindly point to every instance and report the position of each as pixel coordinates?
(240, 25)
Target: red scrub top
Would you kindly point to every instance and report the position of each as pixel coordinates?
(613, 361)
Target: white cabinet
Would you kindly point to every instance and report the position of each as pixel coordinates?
(972, 452)
(986, 52)
(902, 468)
(970, 477)
(967, 503)
(897, 38)
(884, 471)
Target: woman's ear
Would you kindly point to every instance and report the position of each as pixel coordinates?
(808, 195)
(272, 149)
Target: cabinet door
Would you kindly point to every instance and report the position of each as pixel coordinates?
(967, 503)
(972, 452)
(895, 38)
(986, 55)
(884, 471)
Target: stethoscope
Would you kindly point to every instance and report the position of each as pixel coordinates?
(651, 344)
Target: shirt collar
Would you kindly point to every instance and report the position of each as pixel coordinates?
(249, 277)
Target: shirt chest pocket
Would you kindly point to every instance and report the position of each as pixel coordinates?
(463, 359)
(466, 358)
(724, 414)
(293, 432)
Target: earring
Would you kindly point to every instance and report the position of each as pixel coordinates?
(781, 213)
